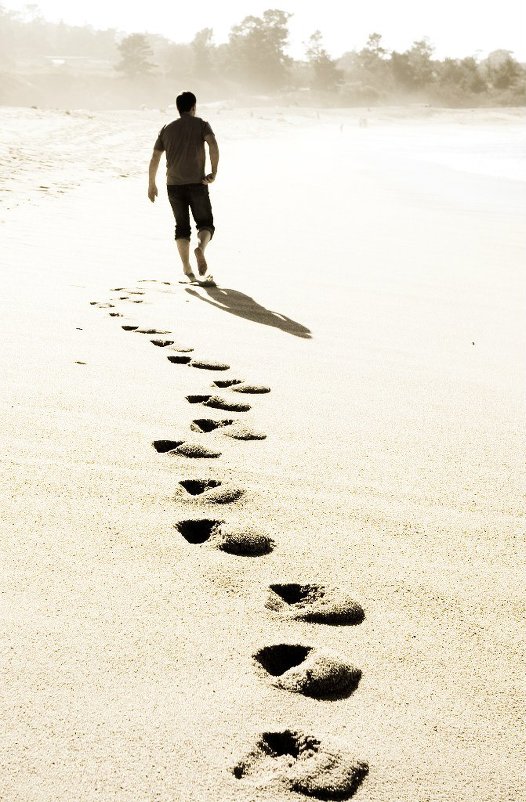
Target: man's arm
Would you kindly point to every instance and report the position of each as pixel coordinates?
(154, 164)
(213, 150)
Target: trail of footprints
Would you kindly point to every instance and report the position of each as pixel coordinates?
(296, 761)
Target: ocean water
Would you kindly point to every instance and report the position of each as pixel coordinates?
(483, 147)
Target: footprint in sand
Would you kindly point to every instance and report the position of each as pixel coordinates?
(240, 386)
(216, 402)
(308, 670)
(130, 326)
(181, 448)
(224, 383)
(115, 314)
(176, 359)
(133, 300)
(238, 541)
(231, 428)
(162, 343)
(144, 330)
(211, 491)
(209, 424)
(315, 603)
(202, 364)
(302, 764)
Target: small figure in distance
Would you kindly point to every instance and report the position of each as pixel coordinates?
(183, 141)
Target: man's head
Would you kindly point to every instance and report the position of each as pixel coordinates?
(186, 102)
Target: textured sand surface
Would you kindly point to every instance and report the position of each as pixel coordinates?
(372, 279)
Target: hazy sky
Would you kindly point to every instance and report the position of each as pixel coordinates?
(455, 27)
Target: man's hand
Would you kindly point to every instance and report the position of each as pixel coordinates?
(152, 192)
(209, 179)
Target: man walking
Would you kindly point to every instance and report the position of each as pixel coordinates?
(183, 141)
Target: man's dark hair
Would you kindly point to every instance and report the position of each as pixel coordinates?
(185, 102)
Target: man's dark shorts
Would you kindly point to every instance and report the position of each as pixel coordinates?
(195, 198)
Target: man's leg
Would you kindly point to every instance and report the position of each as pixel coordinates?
(183, 247)
(199, 199)
(203, 238)
(181, 209)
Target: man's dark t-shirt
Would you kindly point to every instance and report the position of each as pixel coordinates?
(183, 140)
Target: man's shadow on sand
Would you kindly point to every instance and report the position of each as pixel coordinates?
(237, 303)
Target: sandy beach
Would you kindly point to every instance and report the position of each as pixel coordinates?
(331, 606)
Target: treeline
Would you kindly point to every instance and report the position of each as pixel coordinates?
(84, 66)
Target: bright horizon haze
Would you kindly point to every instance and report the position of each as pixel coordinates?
(455, 28)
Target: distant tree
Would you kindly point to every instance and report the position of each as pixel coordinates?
(203, 49)
(327, 76)
(367, 63)
(414, 68)
(136, 53)
(502, 69)
(256, 50)
(460, 76)
(367, 71)
(374, 50)
(420, 59)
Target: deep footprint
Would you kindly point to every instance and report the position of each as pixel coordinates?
(208, 424)
(198, 532)
(179, 360)
(130, 327)
(164, 446)
(240, 542)
(197, 486)
(207, 364)
(307, 670)
(162, 343)
(181, 448)
(215, 402)
(302, 764)
(212, 491)
(197, 399)
(223, 383)
(315, 603)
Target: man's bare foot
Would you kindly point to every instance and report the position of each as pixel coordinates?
(202, 266)
(208, 281)
(189, 277)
